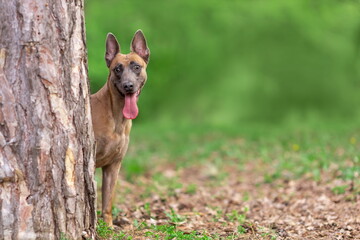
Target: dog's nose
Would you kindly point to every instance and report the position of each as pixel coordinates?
(128, 87)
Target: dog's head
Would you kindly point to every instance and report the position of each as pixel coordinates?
(127, 72)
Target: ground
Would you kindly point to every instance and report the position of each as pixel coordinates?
(220, 184)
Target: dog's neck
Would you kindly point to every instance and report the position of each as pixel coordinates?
(116, 103)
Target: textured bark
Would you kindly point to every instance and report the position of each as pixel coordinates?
(46, 139)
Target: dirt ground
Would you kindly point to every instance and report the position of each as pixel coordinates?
(236, 203)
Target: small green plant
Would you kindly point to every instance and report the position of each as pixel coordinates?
(236, 216)
(269, 178)
(151, 234)
(169, 184)
(339, 189)
(349, 173)
(136, 223)
(171, 232)
(121, 236)
(221, 176)
(141, 225)
(103, 230)
(149, 189)
(241, 229)
(219, 214)
(115, 211)
(147, 209)
(174, 217)
(191, 189)
(271, 236)
(172, 186)
(63, 236)
(246, 196)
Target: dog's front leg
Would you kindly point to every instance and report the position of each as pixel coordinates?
(110, 175)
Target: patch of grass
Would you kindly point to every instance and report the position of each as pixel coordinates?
(140, 225)
(63, 236)
(294, 150)
(170, 232)
(339, 189)
(350, 173)
(246, 196)
(236, 216)
(105, 232)
(269, 178)
(147, 209)
(219, 214)
(267, 233)
(191, 189)
(270, 236)
(115, 211)
(121, 236)
(174, 217)
(169, 184)
(135, 167)
(149, 189)
(221, 176)
(241, 229)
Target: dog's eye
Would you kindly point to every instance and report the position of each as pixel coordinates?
(136, 68)
(118, 69)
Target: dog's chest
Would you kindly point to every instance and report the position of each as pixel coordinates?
(112, 146)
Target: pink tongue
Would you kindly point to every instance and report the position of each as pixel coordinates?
(130, 110)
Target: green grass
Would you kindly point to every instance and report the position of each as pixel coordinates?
(236, 216)
(191, 189)
(292, 150)
(174, 217)
(170, 232)
(105, 232)
(63, 236)
(339, 189)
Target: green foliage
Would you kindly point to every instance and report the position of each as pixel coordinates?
(227, 61)
(339, 189)
(115, 211)
(63, 236)
(105, 232)
(318, 149)
(241, 229)
(172, 233)
(147, 209)
(170, 184)
(350, 173)
(174, 217)
(191, 189)
(235, 216)
(168, 231)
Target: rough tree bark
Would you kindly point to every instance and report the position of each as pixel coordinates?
(46, 140)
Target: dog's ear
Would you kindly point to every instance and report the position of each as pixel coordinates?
(139, 46)
(112, 48)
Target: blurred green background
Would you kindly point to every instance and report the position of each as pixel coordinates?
(231, 62)
(269, 89)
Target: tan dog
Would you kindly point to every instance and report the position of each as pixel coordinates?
(113, 107)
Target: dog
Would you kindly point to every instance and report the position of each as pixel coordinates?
(112, 109)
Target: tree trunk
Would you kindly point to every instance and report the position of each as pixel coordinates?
(47, 189)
